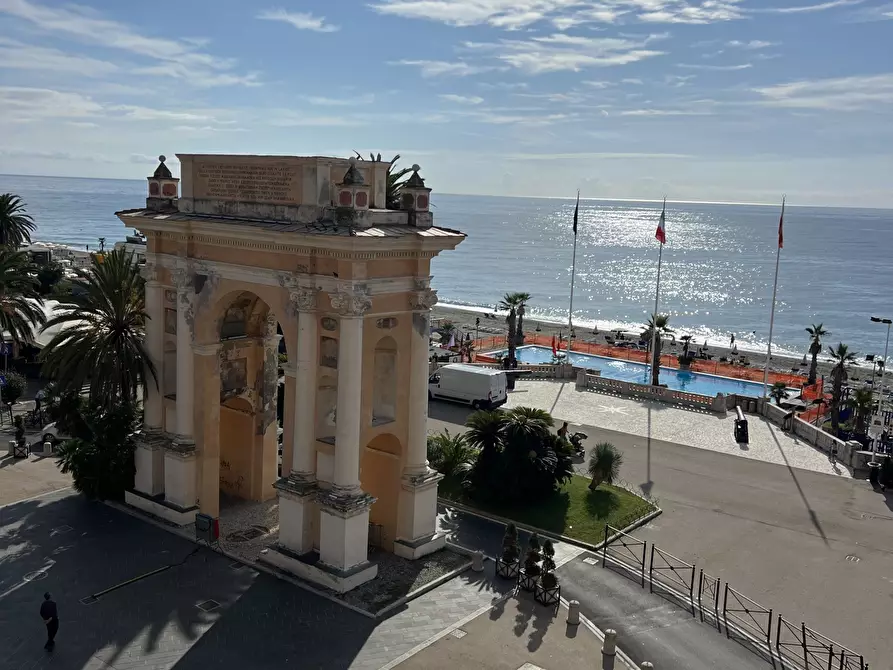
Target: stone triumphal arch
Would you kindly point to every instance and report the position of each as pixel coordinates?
(251, 255)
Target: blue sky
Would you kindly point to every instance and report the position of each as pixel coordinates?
(717, 100)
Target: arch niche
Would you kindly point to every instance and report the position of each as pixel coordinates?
(380, 470)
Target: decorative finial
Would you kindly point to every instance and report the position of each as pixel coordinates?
(352, 160)
(415, 167)
(162, 158)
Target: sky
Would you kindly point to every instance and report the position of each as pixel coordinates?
(705, 100)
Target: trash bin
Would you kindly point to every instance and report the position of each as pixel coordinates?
(874, 471)
(741, 434)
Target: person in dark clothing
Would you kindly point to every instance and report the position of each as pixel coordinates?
(50, 617)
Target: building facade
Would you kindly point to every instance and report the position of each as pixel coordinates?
(246, 252)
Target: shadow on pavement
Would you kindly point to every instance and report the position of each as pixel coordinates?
(74, 548)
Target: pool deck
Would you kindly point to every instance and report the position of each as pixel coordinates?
(660, 421)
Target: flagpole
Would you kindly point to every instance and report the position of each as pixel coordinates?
(772, 313)
(660, 254)
(570, 309)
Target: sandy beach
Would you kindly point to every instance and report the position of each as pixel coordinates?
(464, 320)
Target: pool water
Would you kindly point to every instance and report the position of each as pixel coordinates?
(639, 373)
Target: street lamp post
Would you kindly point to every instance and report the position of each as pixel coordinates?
(889, 322)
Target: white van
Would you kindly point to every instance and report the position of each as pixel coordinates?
(482, 388)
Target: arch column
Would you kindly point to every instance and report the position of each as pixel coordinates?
(298, 512)
(417, 506)
(149, 455)
(206, 361)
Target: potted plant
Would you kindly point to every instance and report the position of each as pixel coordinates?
(508, 565)
(547, 591)
(531, 571)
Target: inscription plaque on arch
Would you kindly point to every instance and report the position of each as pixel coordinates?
(272, 182)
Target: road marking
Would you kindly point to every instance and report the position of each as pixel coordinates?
(853, 559)
(590, 560)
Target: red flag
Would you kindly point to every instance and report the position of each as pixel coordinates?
(661, 234)
(781, 227)
(554, 347)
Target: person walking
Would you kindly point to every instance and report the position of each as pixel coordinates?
(50, 616)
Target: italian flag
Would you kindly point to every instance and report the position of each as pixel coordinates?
(661, 233)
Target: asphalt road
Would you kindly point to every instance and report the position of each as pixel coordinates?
(814, 547)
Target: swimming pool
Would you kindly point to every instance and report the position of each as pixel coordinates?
(639, 373)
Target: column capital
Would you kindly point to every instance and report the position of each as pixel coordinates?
(182, 279)
(149, 272)
(351, 302)
(422, 299)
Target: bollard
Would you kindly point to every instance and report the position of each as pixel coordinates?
(11, 448)
(477, 561)
(47, 448)
(609, 650)
(647, 666)
(573, 613)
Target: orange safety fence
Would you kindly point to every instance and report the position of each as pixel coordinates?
(713, 367)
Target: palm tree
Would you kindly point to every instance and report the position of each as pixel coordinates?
(514, 304)
(396, 179)
(686, 343)
(451, 455)
(815, 348)
(485, 429)
(101, 245)
(842, 356)
(15, 225)
(778, 392)
(604, 464)
(662, 324)
(527, 425)
(861, 401)
(20, 310)
(102, 341)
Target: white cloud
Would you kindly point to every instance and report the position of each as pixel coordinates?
(563, 14)
(439, 68)
(366, 99)
(663, 112)
(181, 57)
(635, 82)
(19, 56)
(28, 104)
(151, 114)
(678, 80)
(872, 93)
(462, 99)
(752, 45)
(553, 53)
(589, 155)
(808, 8)
(299, 20)
(715, 68)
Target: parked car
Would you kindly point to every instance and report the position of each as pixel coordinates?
(50, 434)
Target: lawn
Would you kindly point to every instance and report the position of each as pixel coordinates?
(574, 510)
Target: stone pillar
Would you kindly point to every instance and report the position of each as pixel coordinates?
(185, 367)
(149, 454)
(180, 468)
(298, 511)
(288, 411)
(207, 426)
(344, 509)
(417, 506)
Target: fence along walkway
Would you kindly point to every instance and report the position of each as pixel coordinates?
(795, 647)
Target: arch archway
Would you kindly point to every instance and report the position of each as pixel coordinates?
(380, 470)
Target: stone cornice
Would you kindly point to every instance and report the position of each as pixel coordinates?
(182, 278)
(422, 300)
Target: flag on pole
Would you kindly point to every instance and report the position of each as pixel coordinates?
(781, 227)
(554, 347)
(576, 212)
(661, 233)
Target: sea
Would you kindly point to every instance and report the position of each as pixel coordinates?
(716, 275)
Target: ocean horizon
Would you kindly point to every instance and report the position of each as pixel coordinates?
(716, 279)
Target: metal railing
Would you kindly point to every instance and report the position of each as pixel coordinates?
(801, 644)
(673, 571)
(628, 553)
(747, 614)
(708, 595)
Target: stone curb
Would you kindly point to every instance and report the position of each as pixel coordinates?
(430, 586)
(533, 529)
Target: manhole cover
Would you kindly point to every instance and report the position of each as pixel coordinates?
(208, 605)
(853, 559)
(458, 633)
(590, 560)
(34, 576)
